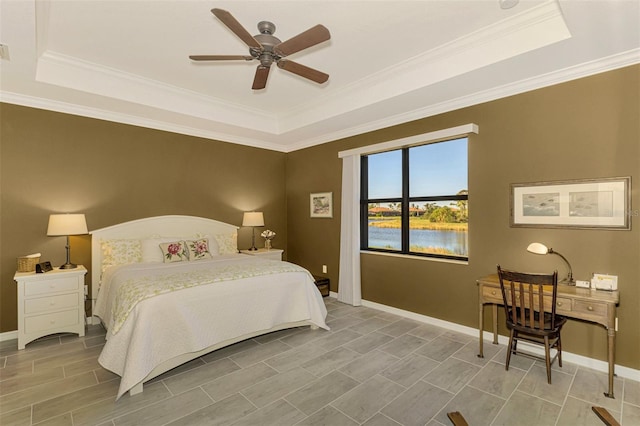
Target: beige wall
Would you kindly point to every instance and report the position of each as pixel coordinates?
(582, 129)
(56, 163)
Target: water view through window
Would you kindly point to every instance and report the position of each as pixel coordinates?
(433, 200)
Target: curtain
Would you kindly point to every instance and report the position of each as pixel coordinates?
(349, 278)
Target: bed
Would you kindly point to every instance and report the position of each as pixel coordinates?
(161, 311)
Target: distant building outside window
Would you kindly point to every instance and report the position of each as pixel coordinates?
(414, 200)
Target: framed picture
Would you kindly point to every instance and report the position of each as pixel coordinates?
(321, 204)
(584, 203)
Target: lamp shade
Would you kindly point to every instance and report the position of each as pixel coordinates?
(67, 224)
(537, 248)
(253, 219)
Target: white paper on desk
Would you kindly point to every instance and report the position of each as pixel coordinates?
(604, 282)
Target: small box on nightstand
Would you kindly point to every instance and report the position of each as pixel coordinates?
(323, 285)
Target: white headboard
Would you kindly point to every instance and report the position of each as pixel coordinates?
(173, 225)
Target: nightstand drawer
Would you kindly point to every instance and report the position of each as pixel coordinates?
(53, 285)
(43, 304)
(50, 321)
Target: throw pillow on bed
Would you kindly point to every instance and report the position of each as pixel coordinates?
(120, 252)
(175, 251)
(227, 243)
(199, 249)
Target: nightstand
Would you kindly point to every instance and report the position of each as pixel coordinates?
(272, 254)
(51, 302)
(323, 284)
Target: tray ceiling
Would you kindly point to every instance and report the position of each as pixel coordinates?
(389, 61)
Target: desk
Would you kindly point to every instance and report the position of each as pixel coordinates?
(572, 302)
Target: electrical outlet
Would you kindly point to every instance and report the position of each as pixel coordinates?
(324, 269)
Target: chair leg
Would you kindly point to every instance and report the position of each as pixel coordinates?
(509, 349)
(605, 416)
(457, 418)
(559, 348)
(547, 358)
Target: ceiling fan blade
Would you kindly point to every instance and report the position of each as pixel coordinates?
(236, 27)
(220, 58)
(311, 37)
(303, 71)
(260, 79)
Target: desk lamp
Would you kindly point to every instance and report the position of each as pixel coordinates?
(67, 224)
(253, 219)
(537, 248)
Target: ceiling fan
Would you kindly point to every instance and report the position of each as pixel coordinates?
(268, 49)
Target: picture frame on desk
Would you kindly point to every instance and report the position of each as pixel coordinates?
(581, 204)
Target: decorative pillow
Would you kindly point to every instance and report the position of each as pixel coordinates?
(175, 251)
(227, 243)
(199, 249)
(120, 252)
(151, 251)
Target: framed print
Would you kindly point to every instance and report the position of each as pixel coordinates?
(584, 203)
(321, 204)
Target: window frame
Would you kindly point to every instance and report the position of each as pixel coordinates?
(405, 201)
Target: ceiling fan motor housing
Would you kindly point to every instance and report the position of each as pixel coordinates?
(266, 56)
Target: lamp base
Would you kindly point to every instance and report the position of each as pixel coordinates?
(68, 266)
(567, 281)
(253, 249)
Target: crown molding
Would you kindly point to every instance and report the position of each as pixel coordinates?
(73, 73)
(624, 59)
(531, 29)
(116, 117)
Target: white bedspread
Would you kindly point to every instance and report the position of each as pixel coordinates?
(189, 320)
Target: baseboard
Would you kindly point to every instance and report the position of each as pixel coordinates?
(8, 335)
(595, 364)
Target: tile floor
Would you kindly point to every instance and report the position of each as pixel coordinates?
(372, 368)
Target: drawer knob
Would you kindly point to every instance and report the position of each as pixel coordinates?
(559, 303)
(590, 308)
(493, 292)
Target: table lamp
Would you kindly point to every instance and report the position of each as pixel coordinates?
(67, 224)
(253, 219)
(538, 248)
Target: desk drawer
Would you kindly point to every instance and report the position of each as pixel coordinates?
(590, 308)
(492, 295)
(50, 321)
(563, 306)
(43, 304)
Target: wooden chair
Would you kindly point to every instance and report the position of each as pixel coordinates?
(530, 308)
(605, 416)
(457, 418)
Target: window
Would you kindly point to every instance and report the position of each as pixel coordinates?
(414, 200)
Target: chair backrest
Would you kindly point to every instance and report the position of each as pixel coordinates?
(524, 295)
